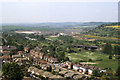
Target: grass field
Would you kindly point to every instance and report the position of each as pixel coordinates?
(113, 64)
(101, 60)
(99, 37)
(53, 38)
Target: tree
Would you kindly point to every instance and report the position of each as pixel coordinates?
(12, 71)
(11, 54)
(96, 73)
(20, 47)
(116, 50)
(60, 55)
(110, 57)
(66, 59)
(49, 68)
(118, 72)
(66, 39)
(40, 38)
(107, 49)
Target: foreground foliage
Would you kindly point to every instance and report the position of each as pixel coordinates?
(12, 71)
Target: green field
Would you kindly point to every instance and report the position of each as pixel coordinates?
(101, 60)
(53, 38)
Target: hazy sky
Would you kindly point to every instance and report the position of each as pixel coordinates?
(36, 12)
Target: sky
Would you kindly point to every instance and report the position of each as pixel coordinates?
(19, 11)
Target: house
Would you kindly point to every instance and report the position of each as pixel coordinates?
(28, 56)
(54, 77)
(44, 66)
(63, 72)
(33, 70)
(6, 59)
(26, 49)
(69, 64)
(28, 78)
(0, 49)
(103, 71)
(46, 58)
(20, 52)
(77, 77)
(90, 71)
(30, 69)
(82, 70)
(8, 48)
(42, 62)
(52, 60)
(7, 53)
(16, 56)
(70, 74)
(76, 67)
(39, 72)
(41, 55)
(53, 67)
(61, 34)
(56, 69)
(47, 74)
(22, 61)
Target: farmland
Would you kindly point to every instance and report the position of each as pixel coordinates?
(90, 36)
(116, 27)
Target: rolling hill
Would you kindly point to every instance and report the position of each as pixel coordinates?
(105, 30)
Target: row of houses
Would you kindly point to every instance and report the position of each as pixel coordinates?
(24, 59)
(82, 68)
(43, 64)
(45, 74)
(37, 53)
(7, 49)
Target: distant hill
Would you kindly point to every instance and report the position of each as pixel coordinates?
(104, 30)
(18, 28)
(57, 25)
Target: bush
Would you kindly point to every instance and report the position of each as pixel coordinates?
(90, 60)
(12, 71)
(110, 57)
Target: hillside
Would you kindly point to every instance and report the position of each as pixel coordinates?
(17, 28)
(57, 25)
(104, 30)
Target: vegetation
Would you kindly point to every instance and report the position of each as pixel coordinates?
(118, 71)
(108, 49)
(96, 73)
(49, 68)
(104, 31)
(12, 71)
